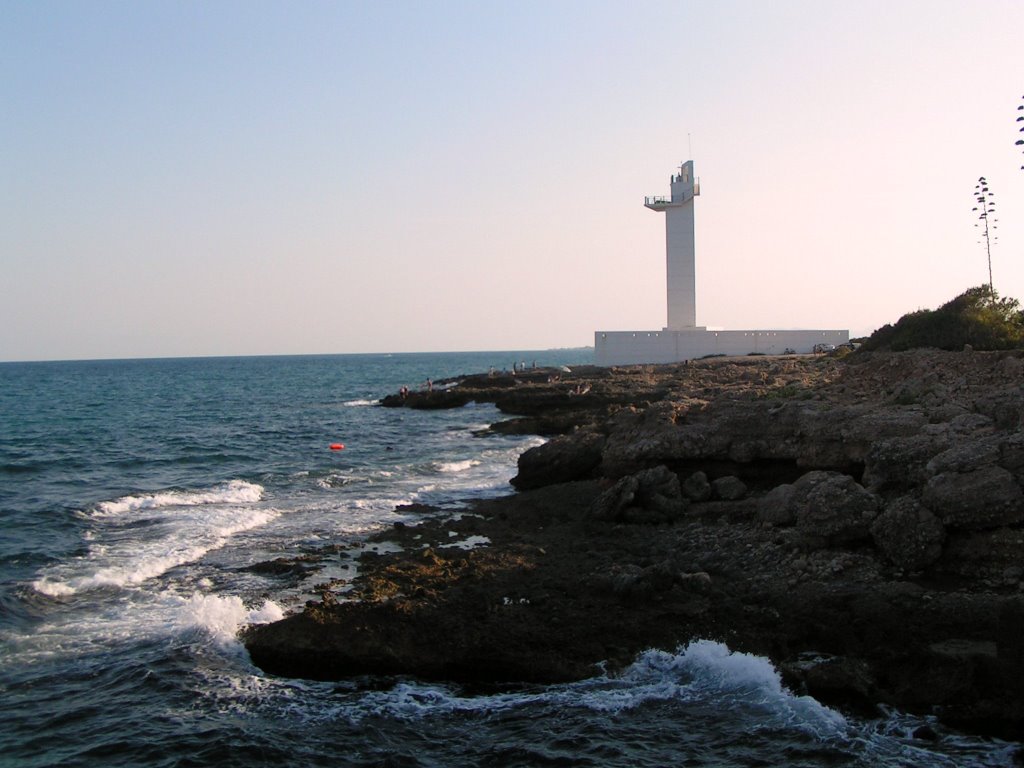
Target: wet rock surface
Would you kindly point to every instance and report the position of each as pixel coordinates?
(859, 522)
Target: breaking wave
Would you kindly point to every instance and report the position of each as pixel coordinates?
(232, 492)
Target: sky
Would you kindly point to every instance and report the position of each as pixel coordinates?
(238, 178)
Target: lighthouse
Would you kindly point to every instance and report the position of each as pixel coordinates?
(680, 247)
(682, 338)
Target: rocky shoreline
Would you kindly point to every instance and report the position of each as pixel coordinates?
(859, 521)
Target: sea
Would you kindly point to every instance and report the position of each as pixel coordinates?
(136, 495)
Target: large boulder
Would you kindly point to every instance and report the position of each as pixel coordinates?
(833, 508)
(908, 534)
(900, 463)
(561, 460)
(650, 496)
(983, 498)
(966, 456)
(828, 508)
(729, 488)
(778, 506)
(696, 487)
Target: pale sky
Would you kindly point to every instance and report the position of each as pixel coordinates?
(233, 178)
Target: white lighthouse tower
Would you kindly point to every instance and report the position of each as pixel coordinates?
(680, 248)
(682, 338)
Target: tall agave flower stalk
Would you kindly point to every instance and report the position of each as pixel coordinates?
(986, 209)
(1020, 119)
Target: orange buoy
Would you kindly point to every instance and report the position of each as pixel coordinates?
(337, 447)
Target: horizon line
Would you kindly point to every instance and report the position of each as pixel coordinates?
(287, 354)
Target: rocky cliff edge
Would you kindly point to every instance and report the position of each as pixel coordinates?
(858, 521)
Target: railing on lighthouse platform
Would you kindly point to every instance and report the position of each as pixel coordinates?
(661, 202)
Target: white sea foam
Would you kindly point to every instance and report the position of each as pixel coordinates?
(221, 616)
(232, 492)
(457, 466)
(337, 480)
(128, 618)
(51, 588)
(700, 672)
(138, 538)
(377, 505)
(704, 670)
(359, 403)
(131, 563)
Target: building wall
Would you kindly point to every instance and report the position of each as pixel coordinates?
(667, 346)
(681, 279)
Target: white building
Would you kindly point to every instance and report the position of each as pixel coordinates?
(682, 338)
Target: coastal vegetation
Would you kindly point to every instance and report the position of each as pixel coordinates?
(978, 318)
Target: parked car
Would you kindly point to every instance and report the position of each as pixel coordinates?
(820, 349)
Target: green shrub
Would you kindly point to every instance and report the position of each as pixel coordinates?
(977, 317)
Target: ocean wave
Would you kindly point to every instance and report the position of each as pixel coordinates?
(457, 466)
(194, 617)
(707, 669)
(222, 616)
(359, 403)
(232, 492)
(702, 671)
(336, 480)
(50, 588)
(117, 562)
(378, 504)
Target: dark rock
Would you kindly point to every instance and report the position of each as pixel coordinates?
(561, 460)
(833, 507)
(651, 496)
(698, 581)
(831, 679)
(908, 535)
(900, 463)
(632, 582)
(279, 567)
(983, 498)
(1011, 454)
(696, 487)
(729, 488)
(1010, 636)
(983, 555)
(965, 456)
(417, 507)
(778, 506)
